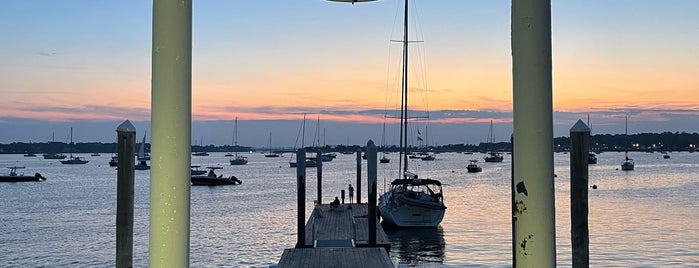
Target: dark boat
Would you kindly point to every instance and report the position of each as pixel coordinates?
(473, 167)
(212, 179)
(591, 158)
(14, 177)
(114, 161)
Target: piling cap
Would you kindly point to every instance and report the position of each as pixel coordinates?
(126, 127)
(580, 126)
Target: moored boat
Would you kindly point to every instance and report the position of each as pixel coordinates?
(211, 179)
(13, 176)
(473, 167)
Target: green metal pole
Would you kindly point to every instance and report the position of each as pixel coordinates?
(171, 112)
(535, 231)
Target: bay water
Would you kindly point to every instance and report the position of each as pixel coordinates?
(648, 217)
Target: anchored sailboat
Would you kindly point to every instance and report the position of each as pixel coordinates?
(239, 159)
(411, 201)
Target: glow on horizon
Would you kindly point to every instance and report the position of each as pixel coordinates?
(272, 73)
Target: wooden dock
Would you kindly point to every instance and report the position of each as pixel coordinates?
(339, 238)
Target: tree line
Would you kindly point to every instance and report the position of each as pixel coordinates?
(666, 141)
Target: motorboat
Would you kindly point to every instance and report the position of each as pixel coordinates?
(142, 165)
(114, 161)
(54, 156)
(428, 157)
(211, 179)
(13, 176)
(411, 201)
(473, 167)
(591, 158)
(194, 170)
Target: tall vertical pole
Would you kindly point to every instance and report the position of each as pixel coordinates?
(319, 156)
(359, 176)
(171, 112)
(579, 232)
(371, 180)
(126, 147)
(533, 133)
(301, 197)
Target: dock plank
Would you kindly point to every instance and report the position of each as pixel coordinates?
(335, 257)
(324, 224)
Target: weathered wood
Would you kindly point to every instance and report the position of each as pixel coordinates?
(126, 147)
(335, 257)
(343, 224)
(300, 196)
(579, 154)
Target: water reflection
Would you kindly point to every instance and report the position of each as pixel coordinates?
(416, 246)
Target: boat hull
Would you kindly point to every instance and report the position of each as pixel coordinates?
(22, 178)
(410, 212)
(474, 169)
(209, 180)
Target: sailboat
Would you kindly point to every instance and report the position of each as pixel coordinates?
(309, 162)
(202, 153)
(492, 156)
(411, 201)
(383, 158)
(271, 154)
(628, 163)
(239, 159)
(73, 159)
(142, 164)
(53, 155)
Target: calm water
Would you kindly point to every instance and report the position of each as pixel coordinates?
(644, 218)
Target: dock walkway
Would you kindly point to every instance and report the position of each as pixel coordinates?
(339, 238)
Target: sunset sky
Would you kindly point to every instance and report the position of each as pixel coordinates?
(86, 64)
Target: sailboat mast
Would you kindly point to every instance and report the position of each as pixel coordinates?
(71, 143)
(404, 100)
(626, 134)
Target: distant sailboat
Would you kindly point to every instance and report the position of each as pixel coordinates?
(492, 156)
(309, 162)
(271, 154)
(142, 164)
(239, 159)
(628, 163)
(202, 153)
(73, 159)
(53, 155)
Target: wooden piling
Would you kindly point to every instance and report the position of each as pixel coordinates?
(319, 197)
(579, 151)
(126, 149)
(359, 176)
(301, 197)
(371, 180)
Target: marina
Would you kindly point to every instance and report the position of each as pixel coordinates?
(251, 224)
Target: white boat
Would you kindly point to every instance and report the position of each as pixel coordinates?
(492, 156)
(142, 164)
(473, 166)
(628, 163)
(411, 201)
(73, 160)
(15, 177)
(239, 159)
(142, 155)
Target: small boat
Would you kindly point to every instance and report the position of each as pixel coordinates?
(239, 159)
(73, 160)
(384, 160)
(95, 154)
(473, 167)
(14, 177)
(212, 179)
(591, 158)
(29, 155)
(666, 156)
(310, 162)
(196, 171)
(628, 163)
(142, 165)
(428, 157)
(54, 156)
(271, 153)
(114, 161)
(411, 201)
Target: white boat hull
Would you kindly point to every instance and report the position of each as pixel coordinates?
(411, 214)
